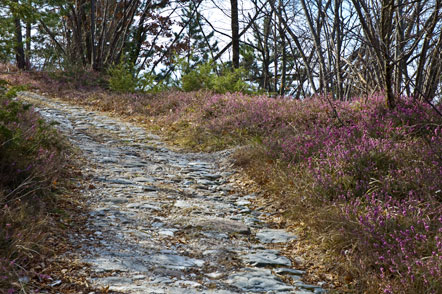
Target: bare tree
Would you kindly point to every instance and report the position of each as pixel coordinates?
(351, 47)
(406, 41)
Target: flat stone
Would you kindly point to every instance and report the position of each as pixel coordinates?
(307, 286)
(215, 235)
(217, 224)
(244, 210)
(257, 280)
(188, 183)
(116, 200)
(138, 277)
(108, 264)
(157, 224)
(108, 160)
(112, 281)
(161, 280)
(211, 177)
(120, 181)
(263, 258)
(215, 275)
(143, 180)
(153, 137)
(242, 202)
(104, 265)
(206, 182)
(274, 236)
(289, 271)
(146, 206)
(295, 278)
(174, 261)
(192, 284)
(183, 204)
(168, 232)
(149, 188)
(150, 207)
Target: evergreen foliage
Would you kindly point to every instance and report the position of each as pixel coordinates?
(200, 47)
(204, 77)
(122, 78)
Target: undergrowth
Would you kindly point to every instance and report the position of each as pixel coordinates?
(32, 157)
(367, 182)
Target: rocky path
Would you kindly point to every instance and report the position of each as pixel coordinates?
(164, 221)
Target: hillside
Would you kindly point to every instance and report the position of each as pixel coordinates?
(358, 182)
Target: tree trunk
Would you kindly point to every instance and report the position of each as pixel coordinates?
(28, 45)
(284, 53)
(385, 32)
(316, 36)
(19, 51)
(93, 52)
(235, 33)
(338, 43)
(266, 55)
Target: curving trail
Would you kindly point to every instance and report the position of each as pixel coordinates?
(162, 221)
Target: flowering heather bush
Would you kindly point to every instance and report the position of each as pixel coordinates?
(381, 168)
(30, 163)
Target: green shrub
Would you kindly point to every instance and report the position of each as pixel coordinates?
(231, 81)
(122, 78)
(200, 78)
(204, 77)
(149, 83)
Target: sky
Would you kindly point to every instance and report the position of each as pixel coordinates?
(217, 12)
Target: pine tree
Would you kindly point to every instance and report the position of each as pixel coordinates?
(200, 46)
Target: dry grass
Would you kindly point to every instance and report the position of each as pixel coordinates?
(37, 205)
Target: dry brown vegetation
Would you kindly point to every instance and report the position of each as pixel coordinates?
(38, 204)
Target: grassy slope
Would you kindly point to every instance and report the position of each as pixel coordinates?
(364, 186)
(35, 199)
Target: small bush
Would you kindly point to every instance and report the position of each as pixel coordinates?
(199, 78)
(122, 79)
(149, 83)
(204, 77)
(231, 81)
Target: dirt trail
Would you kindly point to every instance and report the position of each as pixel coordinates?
(164, 221)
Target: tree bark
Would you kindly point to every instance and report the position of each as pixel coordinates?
(28, 45)
(19, 50)
(284, 52)
(235, 33)
(385, 32)
(93, 51)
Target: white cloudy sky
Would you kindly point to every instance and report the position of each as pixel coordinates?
(218, 13)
